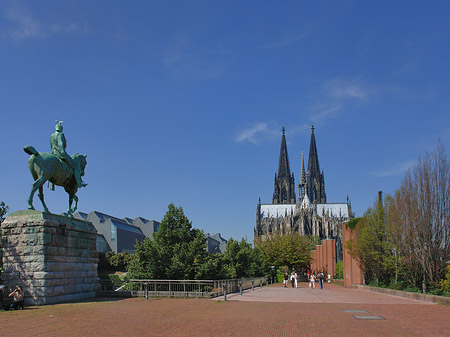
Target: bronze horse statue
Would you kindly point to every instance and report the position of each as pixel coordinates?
(48, 167)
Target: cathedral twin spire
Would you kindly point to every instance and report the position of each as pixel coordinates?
(312, 182)
(284, 186)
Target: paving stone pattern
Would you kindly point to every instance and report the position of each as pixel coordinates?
(204, 317)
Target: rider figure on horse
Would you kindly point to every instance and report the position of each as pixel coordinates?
(58, 146)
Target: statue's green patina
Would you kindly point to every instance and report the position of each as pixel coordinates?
(57, 167)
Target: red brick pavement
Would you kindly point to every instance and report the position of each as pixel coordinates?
(236, 317)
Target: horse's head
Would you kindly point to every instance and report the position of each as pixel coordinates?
(81, 160)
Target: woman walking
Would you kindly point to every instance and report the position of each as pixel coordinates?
(313, 280)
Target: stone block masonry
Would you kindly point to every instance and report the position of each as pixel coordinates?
(53, 257)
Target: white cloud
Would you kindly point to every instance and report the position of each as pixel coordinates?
(24, 25)
(283, 41)
(254, 134)
(336, 95)
(263, 131)
(398, 168)
(342, 89)
(323, 112)
(68, 28)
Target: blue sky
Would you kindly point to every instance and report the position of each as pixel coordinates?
(184, 101)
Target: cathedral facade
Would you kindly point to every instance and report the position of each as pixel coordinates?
(310, 214)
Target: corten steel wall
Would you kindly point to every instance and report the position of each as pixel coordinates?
(324, 257)
(353, 273)
(321, 261)
(330, 266)
(313, 260)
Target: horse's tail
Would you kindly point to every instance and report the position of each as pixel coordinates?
(30, 150)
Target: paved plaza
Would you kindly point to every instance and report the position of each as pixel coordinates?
(271, 311)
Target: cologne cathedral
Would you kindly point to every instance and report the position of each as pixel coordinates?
(310, 214)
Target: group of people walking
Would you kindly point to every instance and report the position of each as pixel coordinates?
(312, 279)
(292, 278)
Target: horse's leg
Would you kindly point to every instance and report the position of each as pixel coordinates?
(71, 191)
(41, 196)
(30, 198)
(69, 211)
(37, 183)
(76, 203)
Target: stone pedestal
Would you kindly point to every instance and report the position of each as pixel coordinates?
(53, 257)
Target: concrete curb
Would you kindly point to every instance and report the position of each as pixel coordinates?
(407, 294)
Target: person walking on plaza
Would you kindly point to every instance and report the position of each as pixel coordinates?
(320, 276)
(286, 278)
(313, 280)
(295, 278)
(292, 279)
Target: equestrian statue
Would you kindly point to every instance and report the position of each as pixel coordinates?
(57, 167)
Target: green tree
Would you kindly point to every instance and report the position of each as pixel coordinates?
(182, 249)
(241, 260)
(176, 252)
(119, 260)
(374, 246)
(3, 210)
(421, 218)
(212, 268)
(145, 262)
(289, 249)
(445, 283)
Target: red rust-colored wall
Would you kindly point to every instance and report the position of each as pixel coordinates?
(324, 258)
(353, 273)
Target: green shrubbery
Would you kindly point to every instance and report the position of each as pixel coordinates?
(339, 270)
(178, 251)
(445, 283)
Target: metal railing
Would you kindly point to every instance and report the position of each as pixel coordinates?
(191, 288)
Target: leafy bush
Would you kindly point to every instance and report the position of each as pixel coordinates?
(339, 270)
(280, 276)
(445, 283)
(116, 280)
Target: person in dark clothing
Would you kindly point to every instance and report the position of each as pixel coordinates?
(320, 277)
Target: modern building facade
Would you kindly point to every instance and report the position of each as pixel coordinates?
(310, 214)
(216, 243)
(118, 235)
